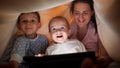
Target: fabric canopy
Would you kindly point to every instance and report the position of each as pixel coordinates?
(107, 16)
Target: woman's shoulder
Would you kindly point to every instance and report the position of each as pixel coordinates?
(92, 29)
(92, 25)
(91, 35)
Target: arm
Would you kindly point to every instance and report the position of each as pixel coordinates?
(103, 57)
(11, 64)
(17, 53)
(102, 60)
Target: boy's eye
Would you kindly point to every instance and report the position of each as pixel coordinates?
(24, 21)
(33, 20)
(28, 21)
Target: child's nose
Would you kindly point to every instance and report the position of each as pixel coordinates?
(28, 23)
(58, 30)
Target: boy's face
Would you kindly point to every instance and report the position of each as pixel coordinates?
(59, 30)
(29, 23)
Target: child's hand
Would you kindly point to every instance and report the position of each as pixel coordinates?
(39, 55)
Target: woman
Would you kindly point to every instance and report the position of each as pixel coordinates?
(85, 30)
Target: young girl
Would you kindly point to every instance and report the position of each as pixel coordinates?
(59, 31)
(30, 43)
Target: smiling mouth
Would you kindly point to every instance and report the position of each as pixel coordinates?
(59, 36)
(28, 28)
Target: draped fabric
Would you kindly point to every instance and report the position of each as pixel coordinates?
(107, 16)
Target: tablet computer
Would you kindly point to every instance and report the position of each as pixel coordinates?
(54, 61)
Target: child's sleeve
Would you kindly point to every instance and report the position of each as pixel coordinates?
(18, 51)
(81, 46)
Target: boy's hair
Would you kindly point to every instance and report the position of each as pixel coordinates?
(59, 17)
(36, 13)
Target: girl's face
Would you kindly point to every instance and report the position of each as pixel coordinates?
(29, 23)
(82, 14)
(59, 30)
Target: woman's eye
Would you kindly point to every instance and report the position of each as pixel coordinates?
(76, 13)
(85, 13)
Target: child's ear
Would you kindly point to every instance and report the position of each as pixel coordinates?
(18, 26)
(69, 32)
(39, 24)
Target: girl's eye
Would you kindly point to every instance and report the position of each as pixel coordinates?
(62, 28)
(52, 29)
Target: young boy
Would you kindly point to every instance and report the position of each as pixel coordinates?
(59, 31)
(30, 43)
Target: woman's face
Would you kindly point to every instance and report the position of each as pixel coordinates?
(82, 14)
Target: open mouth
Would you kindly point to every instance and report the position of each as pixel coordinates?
(59, 36)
